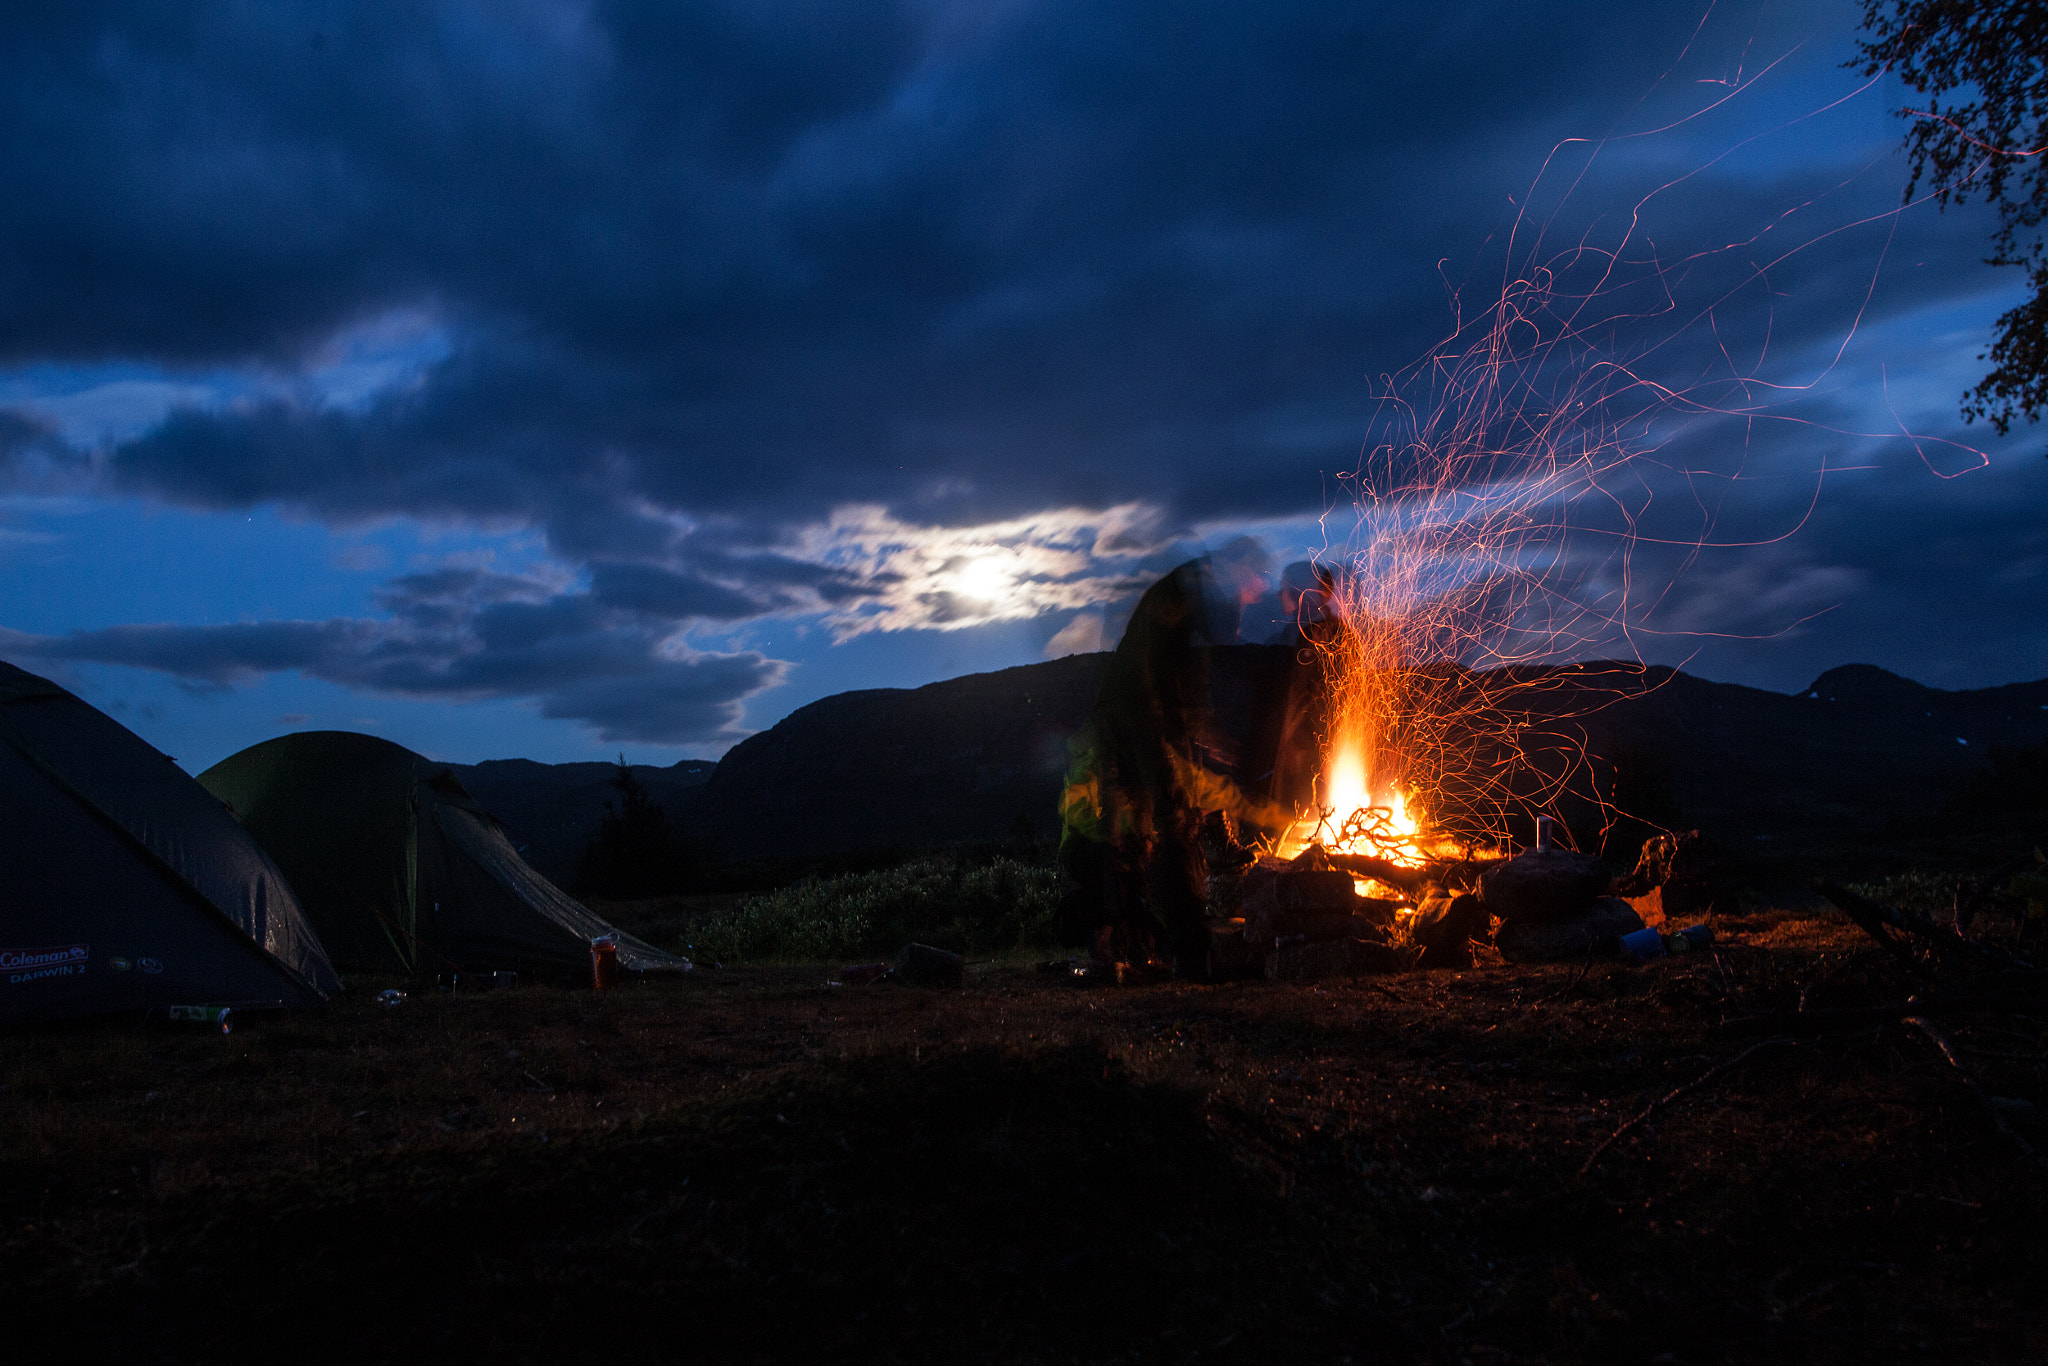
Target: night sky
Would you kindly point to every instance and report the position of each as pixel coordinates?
(561, 379)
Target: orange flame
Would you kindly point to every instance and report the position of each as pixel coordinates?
(1354, 814)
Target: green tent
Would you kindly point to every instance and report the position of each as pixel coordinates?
(399, 870)
(123, 885)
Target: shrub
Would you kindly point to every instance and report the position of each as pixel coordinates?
(1927, 893)
(969, 908)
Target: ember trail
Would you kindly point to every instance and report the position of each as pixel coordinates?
(1343, 798)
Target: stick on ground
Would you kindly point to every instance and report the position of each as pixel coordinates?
(1711, 1075)
(1947, 1045)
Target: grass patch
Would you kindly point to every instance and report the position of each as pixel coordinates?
(1928, 893)
(976, 908)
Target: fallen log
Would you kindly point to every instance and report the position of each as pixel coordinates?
(921, 965)
(1409, 880)
(1877, 920)
(1461, 874)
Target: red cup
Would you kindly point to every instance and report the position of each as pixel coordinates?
(604, 962)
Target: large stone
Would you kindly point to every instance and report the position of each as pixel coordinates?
(1320, 905)
(1593, 934)
(1444, 929)
(1291, 890)
(1543, 886)
(1231, 956)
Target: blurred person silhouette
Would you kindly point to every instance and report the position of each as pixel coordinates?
(1145, 769)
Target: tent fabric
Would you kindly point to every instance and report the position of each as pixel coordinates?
(484, 841)
(335, 810)
(399, 869)
(124, 885)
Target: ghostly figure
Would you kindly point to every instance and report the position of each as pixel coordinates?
(1139, 782)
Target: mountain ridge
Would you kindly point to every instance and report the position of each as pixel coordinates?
(982, 757)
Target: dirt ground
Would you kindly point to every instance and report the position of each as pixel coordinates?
(751, 1164)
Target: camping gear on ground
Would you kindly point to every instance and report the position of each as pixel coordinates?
(399, 870)
(1646, 945)
(124, 886)
(221, 1018)
(604, 961)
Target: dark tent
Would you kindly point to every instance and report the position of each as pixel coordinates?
(399, 870)
(123, 884)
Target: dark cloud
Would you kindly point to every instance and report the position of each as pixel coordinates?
(760, 260)
(672, 704)
(664, 593)
(706, 271)
(217, 655)
(1950, 593)
(462, 635)
(31, 451)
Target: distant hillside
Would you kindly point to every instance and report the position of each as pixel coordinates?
(962, 760)
(1861, 756)
(553, 810)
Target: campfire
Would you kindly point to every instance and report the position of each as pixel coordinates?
(1403, 809)
(1380, 843)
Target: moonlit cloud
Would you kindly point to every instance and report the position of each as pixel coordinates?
(950, 578)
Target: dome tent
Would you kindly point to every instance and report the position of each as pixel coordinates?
(123, 884)
(399, 870)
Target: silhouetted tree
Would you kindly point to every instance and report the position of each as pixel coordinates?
(634, 853)
(1989, 143)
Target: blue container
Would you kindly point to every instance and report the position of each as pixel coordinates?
(1695, 937)
(1643, 945)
